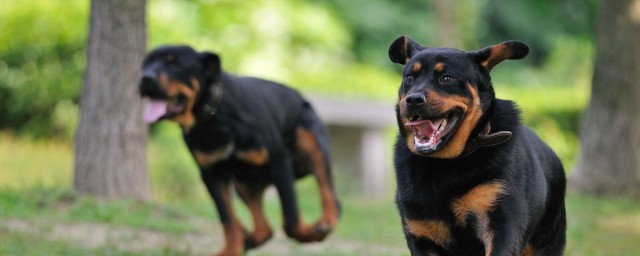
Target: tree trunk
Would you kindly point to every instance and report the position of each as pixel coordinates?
(111, 137)
(446, 16)
(610, 129)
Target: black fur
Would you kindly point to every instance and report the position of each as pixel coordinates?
(527, 216)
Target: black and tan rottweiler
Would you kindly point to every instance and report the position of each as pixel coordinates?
(243, 132)
(471, 179)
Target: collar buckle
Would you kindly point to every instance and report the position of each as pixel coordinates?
(486, 139)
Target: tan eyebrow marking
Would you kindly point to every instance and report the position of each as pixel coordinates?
(416, 67)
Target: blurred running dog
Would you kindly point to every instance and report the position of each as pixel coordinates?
(242, 131)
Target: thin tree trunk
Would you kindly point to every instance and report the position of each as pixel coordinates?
(610, 131)
(111, 137)
(448, 32)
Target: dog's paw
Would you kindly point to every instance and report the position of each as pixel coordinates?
(254, 240)
(323, 227)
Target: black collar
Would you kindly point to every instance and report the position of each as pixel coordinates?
(210, 107)
(485, 139)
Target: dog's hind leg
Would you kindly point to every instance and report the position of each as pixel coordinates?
(312, 147)
(317, 157)
(251, 194)
(294, 227)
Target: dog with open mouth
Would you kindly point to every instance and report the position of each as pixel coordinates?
(471, 179)
(246, 133)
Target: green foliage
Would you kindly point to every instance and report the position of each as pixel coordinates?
(41, 63)
(172, 166)
(537, 22)
(300, 43)
(375, 24)
(329, 47)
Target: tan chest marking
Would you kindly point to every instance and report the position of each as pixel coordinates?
(528, 250)
(434, 230)
(479, 201)
(257, 157)
(207, 159)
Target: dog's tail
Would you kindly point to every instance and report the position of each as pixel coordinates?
(312, 123)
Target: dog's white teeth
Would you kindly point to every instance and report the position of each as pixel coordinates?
(441, 127)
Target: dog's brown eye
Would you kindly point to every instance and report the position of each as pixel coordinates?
(409, 79)
(446, 79)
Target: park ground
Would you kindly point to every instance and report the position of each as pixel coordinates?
(58, 222)
(41, 215)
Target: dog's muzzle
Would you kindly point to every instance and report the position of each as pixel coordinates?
(149, 86)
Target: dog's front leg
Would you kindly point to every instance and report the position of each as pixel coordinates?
(251, 194)
(501, 236)
(233, 231)
(422, 247)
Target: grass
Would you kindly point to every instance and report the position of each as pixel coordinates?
(62, 205)
(597, 225)
(12, 243)
(603, 226)
(16, 244)
(27, 163)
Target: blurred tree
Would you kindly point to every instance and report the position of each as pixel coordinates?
(111, 137)
(448, 28)
(610, 131)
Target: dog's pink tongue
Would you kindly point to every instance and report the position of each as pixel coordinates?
(154, 109)
(425, 127)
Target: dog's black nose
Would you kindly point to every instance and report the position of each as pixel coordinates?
(147, 83)
(148, 76)
(415, 99)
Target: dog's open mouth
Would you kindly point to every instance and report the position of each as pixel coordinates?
(429, 133)
(155, 109)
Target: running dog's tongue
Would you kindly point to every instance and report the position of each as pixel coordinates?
(426, 128)
(154, 109)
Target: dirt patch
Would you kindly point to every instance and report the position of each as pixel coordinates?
(94, 235)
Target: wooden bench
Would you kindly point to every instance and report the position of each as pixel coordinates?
(360, 142)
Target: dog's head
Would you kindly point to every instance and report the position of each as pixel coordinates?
(445, 92)
(173, 77)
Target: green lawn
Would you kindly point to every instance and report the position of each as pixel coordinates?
(597, 225)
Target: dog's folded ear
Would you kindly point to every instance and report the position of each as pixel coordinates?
(210, 63)
(402, 49)
(492, 55)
